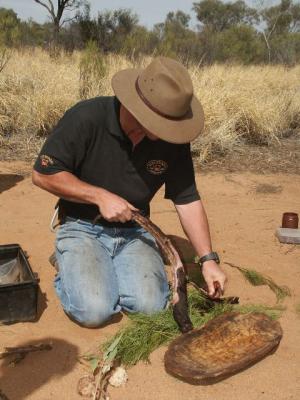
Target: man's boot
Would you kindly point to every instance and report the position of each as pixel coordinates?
(53, 261)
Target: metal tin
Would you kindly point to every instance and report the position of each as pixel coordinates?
(290, 220)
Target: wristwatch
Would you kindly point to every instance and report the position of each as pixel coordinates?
(210, 256)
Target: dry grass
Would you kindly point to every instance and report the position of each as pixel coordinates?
(266, 188)
(242, 104)
(247, 104)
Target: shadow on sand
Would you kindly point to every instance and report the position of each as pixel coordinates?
(37, 368)
(184, 248)
(7, 181)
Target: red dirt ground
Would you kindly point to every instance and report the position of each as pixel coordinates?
(243, 219)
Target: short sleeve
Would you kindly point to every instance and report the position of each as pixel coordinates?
(180, 185)
(65, 148)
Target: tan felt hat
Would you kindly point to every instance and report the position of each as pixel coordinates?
(161, 98)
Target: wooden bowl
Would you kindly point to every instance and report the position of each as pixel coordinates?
(226, 345)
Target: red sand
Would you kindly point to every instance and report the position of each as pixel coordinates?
(242, 222)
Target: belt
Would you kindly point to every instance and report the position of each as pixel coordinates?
(104, 222)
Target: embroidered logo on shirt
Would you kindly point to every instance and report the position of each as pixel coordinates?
(156, 167)
(46, 160)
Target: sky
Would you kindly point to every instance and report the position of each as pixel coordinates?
(149, 12)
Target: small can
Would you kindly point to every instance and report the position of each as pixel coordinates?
(290, 220)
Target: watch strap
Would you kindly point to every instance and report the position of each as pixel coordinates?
(210, 256)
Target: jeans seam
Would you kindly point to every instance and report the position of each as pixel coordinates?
(68, 309)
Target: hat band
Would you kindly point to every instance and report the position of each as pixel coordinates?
(156, 110)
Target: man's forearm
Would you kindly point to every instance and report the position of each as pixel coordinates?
(195, 225)
(67, 186)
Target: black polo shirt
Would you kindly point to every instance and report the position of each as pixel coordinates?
(88, 142)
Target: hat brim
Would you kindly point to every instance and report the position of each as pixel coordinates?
(174, 131)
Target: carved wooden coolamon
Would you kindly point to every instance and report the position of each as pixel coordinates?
(224, 346)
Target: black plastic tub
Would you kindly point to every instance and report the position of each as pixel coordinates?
(18, 300)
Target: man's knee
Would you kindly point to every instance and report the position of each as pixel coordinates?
(150, 307)
(92, 315)
(146, 303)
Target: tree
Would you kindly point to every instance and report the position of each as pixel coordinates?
(282, 23)
(283, 18)
(175, 39)
(139, 42)
(114, 26)
(220, 21)
(286, 48)
(239, 43)
(178, 19)
(87, 26)
(35, 34)
(10, 33)
(110, 29)
(218, 16)
(56, 15)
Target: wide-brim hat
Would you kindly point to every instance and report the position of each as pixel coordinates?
(161, 98)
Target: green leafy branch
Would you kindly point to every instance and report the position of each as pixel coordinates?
(258, 279)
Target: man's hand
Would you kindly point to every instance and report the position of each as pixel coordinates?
(114, 208)
(214, 277)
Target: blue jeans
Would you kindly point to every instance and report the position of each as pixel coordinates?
(103, 270)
